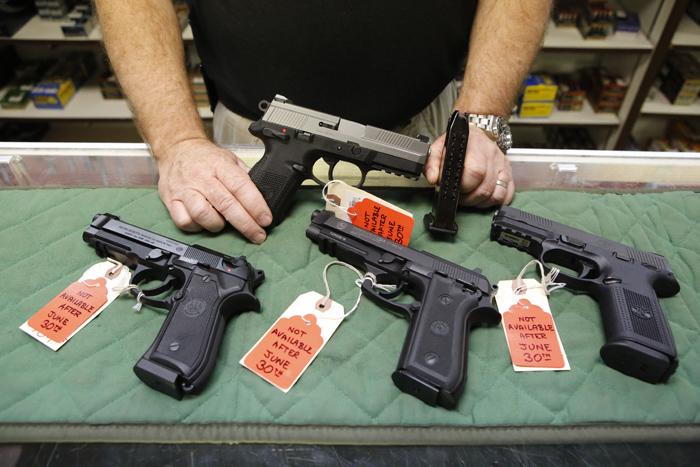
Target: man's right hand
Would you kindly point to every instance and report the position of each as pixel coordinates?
(205, 186)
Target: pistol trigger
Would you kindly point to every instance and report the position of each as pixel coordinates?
(331, 168)
(362, 178)
(384, 300)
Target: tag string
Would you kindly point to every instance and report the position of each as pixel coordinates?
(324, 194)
(358, 282)
(547, 282)
(139, 294)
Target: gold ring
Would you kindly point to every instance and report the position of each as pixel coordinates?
(502, 183)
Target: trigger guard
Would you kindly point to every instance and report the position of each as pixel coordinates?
(163, 287)
(313, 177)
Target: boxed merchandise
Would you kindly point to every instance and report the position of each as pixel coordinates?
(571, 92)
(109, 86)
(19, 89)
(81, 22)
(627, 21)
(605, 90)
(539, 87)
(53, 9)
(535, 109)
(597, 19)
(63, 80)
(16, 97)
(199, 90)
(52, 93)
(680, 78)
(537, 96)
(566, 12)
(680, 136)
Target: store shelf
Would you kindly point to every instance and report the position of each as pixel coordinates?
(657, 104)
(37, 29)
(570, 39)
(584, 117)
(41, 30)
(687, 34)
(87, 104)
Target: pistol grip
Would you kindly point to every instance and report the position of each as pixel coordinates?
(433, 361)
(639, 342)
(182, 357)
(278, 178)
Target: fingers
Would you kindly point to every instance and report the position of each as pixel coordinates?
(233, 210)
(488, 178)
(201, 211)
(239, 184)
(511, 193)
(181, 217)
(435, 156)
(501, 187)
(488, 168)
(242, 164)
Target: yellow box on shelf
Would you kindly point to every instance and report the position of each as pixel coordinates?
(539, 87)
(53, 94)
(535, 109)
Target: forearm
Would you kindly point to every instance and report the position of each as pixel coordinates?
(145, 47)
(505, 39)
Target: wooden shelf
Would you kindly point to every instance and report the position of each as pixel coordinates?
(42, 30)
(584, 117)
(570, 39)
(687, 34)
(657, 104)
(87, 104)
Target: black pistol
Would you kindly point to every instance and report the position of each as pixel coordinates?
(624, 281)
(207, 289)
(441, 221)
(296, 137)
(450, 299)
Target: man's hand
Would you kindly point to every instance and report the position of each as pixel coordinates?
(205, 186)
(484, 165)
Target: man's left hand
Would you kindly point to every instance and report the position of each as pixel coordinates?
(487, 179)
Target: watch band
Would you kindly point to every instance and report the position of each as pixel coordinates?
(485, 122)
(495, 127)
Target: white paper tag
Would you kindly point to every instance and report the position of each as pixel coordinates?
(532, 337)
(78, 304)
(289, 346)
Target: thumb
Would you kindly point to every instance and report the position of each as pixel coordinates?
(435, 156)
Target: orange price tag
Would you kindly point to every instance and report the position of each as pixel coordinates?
(289, 346)
(76, 305)
(382, 220)
(533, 340)
(368, 212)
(532, 336)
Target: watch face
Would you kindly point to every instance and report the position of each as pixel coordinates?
(505, 137)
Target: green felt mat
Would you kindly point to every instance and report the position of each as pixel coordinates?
(90, 380)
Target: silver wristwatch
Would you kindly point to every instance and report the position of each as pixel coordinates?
(495, 126)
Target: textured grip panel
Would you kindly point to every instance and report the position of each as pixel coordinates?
(277, 182)
(638, 338)
(186, 340)
(433, 362)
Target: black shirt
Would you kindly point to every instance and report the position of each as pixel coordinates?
(377, 62)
